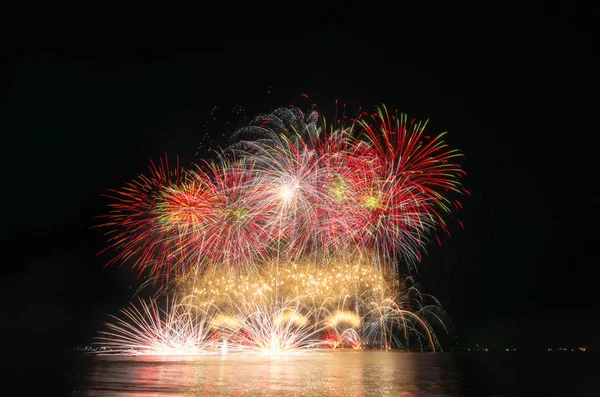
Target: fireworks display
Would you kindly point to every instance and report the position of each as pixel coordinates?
(288, 242)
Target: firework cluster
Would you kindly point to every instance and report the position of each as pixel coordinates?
(291, 238)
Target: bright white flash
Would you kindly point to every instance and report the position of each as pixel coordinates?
(288, 192)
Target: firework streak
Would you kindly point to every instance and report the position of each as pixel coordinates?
(289, 241)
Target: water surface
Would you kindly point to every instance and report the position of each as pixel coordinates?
(340, 373)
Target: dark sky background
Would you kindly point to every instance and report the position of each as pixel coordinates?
(90, 95)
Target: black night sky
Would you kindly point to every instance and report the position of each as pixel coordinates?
(89, 96)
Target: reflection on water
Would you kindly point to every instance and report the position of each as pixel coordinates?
(341, 373)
